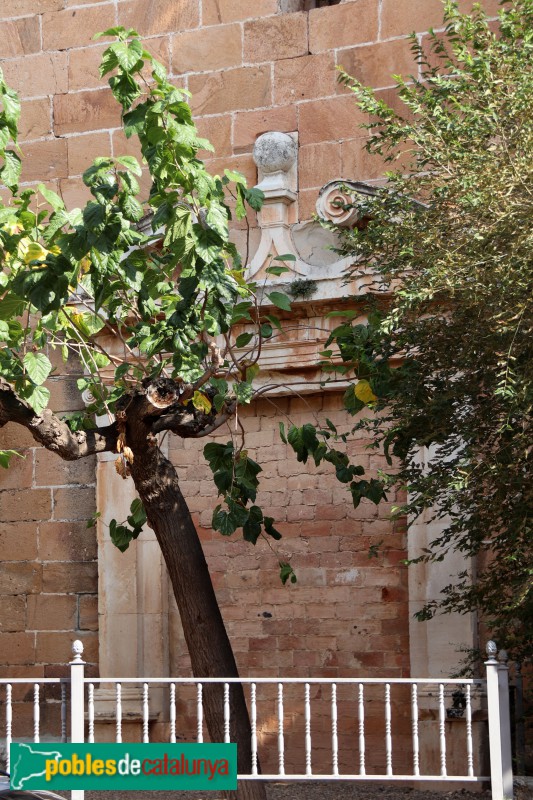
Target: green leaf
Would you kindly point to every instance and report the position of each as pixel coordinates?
(223, 522)
(37, 366)
(236, 177)
(271, 530)
(137, 512)
(128, 54)
(10, 172)
(285, 257)
(131, 163)
(254, 198)
(131, 208)
(120, 535)
(38, 398)
(280, 300)
(6, 456)
(276, 270)
(51, 197)
(286, 573)
(244, 339)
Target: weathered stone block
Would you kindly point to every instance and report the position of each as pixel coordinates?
(67, 541)
(34, 76)
(35, 119)
(218, 92)
(375, 64)
(215, 12)
(70, 577)
(304, 78)
(17, 648)
(218, 130)
(272, 38)
(45, 161)
(318, 164)
(76, 27)
(151, 17)
(207, 49)
(329, 120)
(19, 474)
(51, 470)
(52, 612)
(345, 24)
(13, 613)
(85, 111)
(51, 647)
(74, 503)
(82, 150)
(18, 541)
(20, 37)
(88, 612)
(20, 577)
(23, 506)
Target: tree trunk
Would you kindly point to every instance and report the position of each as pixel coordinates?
(205, 634)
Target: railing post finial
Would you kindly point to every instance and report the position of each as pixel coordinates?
(492, 649)
(77, 652)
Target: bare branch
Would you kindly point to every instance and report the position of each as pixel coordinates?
(52, 432)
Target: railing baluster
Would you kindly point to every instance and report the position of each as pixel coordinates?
(199, 714)
(442, 731)
(253, 722)
(226, 713)
(118, 713)
(414, 725)
(388, 733)
(308, 769)
(90, 709)
(63, 711)
(36, 713)
(362, 767)
(9, 722)
(469, 749)
(173, 713)
(146, 714)
(281, 737)
(334, 736)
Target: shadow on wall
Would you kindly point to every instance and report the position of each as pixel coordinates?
(288, 6)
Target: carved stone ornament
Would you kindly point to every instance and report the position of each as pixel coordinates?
(336, 195)
(275, 155)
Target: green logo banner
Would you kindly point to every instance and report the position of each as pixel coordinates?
(123, 766)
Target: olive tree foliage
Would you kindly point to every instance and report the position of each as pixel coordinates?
(447, 351)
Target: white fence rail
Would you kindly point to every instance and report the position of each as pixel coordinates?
(302, 728)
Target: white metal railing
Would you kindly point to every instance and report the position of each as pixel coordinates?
(309, 722)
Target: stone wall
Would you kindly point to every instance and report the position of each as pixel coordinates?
(48, 561)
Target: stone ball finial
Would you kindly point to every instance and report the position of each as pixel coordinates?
(275, 152)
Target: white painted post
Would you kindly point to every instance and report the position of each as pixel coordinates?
(77, 704)
(498, 771)
(505, 723)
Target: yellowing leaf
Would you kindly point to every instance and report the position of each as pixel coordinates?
(363, 392)
(201, 402)
(34, 252)
(22, 247)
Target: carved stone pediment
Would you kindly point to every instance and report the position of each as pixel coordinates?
(312, 244)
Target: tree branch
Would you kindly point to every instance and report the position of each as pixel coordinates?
(52, 432)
